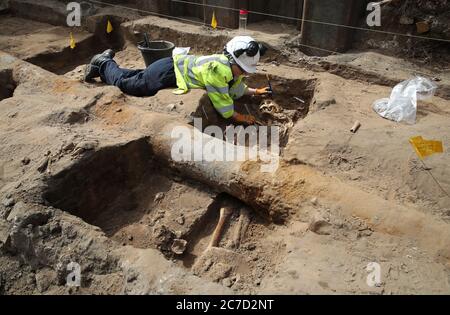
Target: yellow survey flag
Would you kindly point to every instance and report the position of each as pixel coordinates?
(109, 27)
(425, 147)
(214, 20)
(72, 42)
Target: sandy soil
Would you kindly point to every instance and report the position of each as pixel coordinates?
(82, 181)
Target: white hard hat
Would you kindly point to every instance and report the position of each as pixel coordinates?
(245, 51)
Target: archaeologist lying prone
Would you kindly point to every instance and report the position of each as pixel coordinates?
(220, 75)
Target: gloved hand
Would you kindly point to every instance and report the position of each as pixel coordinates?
(245, 119)
(263, 91)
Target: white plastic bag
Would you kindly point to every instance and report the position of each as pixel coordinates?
(402, 105)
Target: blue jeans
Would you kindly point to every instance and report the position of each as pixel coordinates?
(159, 75)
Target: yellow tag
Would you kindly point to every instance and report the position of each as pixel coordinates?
(109, 27)
(425, 148)
(72, 42)
(214, 21)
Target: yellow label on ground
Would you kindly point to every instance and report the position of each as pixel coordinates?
(425, 147)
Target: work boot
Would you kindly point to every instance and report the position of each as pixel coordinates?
(93, 68)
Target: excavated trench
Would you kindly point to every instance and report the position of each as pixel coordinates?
(137, 201)
(7, 84)
(289, 103)
(47, 46)
(68, 59)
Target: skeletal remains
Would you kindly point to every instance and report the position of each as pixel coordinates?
(237, 236)
(239, 231)
(277, 117)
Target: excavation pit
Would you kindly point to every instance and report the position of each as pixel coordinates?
(68, 59)
(289, 103)
(130, 196)
(48, 46)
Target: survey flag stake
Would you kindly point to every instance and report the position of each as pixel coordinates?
(109, 27)
(72, 42)
(214, 20)
(425, 147)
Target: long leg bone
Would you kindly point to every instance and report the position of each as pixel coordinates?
(225, 212)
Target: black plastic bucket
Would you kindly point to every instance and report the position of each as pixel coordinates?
(157, 49)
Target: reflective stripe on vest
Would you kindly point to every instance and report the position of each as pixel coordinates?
(196, 62)
(221, 90)
(225, 109)
(238, 89)
(183, 67)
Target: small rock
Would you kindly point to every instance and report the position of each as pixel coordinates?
(130, 238)
(171, 107)
(43, 166)
(227, 282)
(119, 110)
(319, 226)
(179, 246)
(314, 201)
(8, 202)
(26, 161)
(159, 197)
(180, 220)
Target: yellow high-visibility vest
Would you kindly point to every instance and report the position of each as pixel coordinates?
(212, 73)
